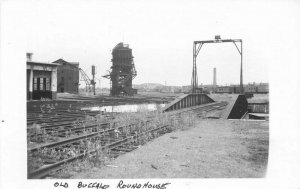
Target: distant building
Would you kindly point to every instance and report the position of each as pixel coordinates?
(263, 88)
(186, 88)
(225, 89)
(67, 76)
(41, 79)
(250, 88)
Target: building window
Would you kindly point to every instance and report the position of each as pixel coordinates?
(41, 84)
(48, 84)
(35, 83)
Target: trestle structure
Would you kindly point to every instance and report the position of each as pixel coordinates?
(187, 101)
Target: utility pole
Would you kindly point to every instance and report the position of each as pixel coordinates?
(93, 80)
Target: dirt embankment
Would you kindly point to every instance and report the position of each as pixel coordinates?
(212, 149)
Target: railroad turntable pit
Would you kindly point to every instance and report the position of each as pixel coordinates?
(66, 132)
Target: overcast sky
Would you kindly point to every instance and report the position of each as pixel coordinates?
(161, 35)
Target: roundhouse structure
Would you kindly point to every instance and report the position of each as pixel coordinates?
(41, 79)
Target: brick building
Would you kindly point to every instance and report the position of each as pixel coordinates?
(67, 76)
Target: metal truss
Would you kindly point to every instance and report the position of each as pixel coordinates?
(197, 45)
(86, 79)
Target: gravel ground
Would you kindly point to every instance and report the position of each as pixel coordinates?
(211, 149)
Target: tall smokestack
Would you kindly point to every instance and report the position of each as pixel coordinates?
(215, 80)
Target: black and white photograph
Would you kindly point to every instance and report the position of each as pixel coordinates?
(150, 94)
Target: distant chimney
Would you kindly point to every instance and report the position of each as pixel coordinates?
(29, 56)
(215, 79)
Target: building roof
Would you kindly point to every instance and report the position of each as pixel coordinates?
(61, 61)
(42, 63)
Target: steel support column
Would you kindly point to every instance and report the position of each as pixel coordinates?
(53, 84)
(30, 83)
(241, 71)
(241, 75)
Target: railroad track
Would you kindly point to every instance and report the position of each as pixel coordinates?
(110, 137)
(62, 128)
(105, 129)
(118, 145)
(65, 113)
(53, 128)
(67, 130)
(52, 119)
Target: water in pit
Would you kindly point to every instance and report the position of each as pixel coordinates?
(126, 108)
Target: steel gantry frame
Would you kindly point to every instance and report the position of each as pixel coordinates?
(197, 45)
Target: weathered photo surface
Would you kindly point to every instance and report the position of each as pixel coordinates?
(130, 98)
(150, 90)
